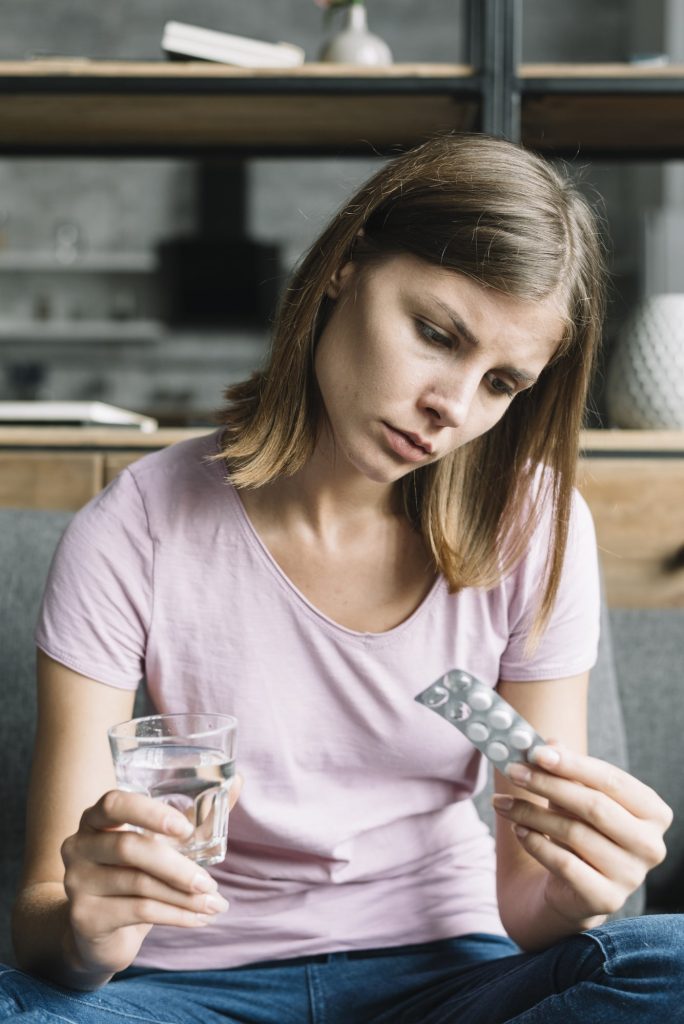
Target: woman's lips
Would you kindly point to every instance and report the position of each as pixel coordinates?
(403, 445)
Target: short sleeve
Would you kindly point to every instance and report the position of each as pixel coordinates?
(569, 644)
(97, 604)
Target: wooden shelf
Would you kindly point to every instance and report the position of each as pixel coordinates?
(83, 107)
(594, 442)
(194, 107)
(636, 505)
(630, 442)
(603, 110)
(82, 69)
(83, 438)
(574, 76)
(633, 481)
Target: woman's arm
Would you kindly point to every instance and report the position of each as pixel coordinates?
(91, 890)
(592, 830)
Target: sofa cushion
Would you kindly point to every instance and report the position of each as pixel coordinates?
(27, 541)
(649, 659)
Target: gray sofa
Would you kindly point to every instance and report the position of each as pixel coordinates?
(637, 716)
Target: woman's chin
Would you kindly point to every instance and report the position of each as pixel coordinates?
(383, 471)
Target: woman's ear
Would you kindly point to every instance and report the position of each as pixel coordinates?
(339, 279)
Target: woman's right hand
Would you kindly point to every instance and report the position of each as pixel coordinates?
(120, 882)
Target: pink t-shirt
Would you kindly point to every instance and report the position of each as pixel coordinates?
(356, 827)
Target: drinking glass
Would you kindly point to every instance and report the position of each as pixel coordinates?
(188, 762)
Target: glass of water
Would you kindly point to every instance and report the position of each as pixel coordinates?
(188, 762)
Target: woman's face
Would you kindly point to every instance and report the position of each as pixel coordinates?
(416, 360)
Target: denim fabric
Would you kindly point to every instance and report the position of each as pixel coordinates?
(627, 972)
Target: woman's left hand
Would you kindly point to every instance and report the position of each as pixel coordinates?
(599, 836)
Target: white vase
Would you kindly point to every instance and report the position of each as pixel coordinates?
(355, 44)
(645, 379)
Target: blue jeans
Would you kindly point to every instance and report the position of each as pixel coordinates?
(627, 971)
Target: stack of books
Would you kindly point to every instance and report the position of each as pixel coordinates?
(181, 40)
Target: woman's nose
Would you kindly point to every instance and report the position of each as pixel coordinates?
(451, 404)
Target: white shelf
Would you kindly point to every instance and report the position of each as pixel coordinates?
(81, 330)
(92, 262)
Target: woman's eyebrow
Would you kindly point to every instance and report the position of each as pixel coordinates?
(521, 376)
(458, 323)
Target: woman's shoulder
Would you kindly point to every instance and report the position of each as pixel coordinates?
(186, 464)
(157, 492)
(178, 481)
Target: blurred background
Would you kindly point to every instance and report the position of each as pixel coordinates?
(103, 262)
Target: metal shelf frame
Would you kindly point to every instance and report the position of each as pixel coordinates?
(495, 31)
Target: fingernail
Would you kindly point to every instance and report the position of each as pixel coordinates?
(203, 919)
(518, 772)
(521, 831)
(204, 883)
(501, 802)
(547, 757)
(216, 903)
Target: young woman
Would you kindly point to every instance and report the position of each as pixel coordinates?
(391, 497)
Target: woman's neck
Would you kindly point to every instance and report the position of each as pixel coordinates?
(327, 499)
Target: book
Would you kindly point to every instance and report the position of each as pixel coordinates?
(182, 40)
(72, 414)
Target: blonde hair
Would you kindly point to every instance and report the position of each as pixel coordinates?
(503, 216)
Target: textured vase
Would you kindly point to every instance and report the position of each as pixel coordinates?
(645, 380)
(355, 44)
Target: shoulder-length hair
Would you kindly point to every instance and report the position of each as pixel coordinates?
(509, 220)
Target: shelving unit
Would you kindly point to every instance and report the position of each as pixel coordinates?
(86, 263)
(142, 331)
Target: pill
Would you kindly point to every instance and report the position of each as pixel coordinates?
(481, 700)
(500, 718)
(477, 732)
(521, 739)
(497, 751)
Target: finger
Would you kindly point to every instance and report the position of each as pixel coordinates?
(610, 860)
(127, 882)
(119, 807)
(96, 917)
(148, 854)
(592, 892)
(642, 838)
(632, 794)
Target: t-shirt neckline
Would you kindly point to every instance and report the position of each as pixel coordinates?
(253, 537)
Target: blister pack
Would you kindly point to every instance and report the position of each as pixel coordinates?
(485, 718)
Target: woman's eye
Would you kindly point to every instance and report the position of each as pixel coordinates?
(436, 337)
(501, 387)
